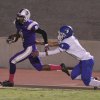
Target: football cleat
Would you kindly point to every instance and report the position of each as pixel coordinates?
(95, 87)
(7, 83)
(64, 69)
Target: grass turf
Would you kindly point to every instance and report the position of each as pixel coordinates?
(48, 94)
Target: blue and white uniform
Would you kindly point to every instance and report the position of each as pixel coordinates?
(69, 44)
(72, 46)
(85, 66)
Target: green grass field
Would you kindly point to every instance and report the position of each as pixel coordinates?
(47, 94)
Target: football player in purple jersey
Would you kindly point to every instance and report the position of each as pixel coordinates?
(26, 29)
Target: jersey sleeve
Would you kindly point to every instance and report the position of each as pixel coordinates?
(44, 35)
(63, 47)
(50, 52)
(33, 26)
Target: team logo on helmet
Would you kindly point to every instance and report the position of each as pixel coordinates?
(65, 32)
(23, 15)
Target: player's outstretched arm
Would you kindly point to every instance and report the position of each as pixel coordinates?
(53, 43)
(50, 43)
(49, 52)
(39, 42)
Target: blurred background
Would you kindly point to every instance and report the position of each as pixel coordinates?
(83, 15)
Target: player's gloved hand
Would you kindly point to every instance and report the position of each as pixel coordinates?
(46, 47)
(11, 39)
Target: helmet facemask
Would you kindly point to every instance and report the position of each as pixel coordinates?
(61, 36)
(23, 15)
(64, 32)
(20, 19)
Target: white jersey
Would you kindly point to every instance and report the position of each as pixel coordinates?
(75, 49)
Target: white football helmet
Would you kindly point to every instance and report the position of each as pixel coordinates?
(23, 15)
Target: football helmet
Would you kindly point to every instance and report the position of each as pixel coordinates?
(65, 32)
(23, 15)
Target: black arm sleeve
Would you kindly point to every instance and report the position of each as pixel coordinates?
(44, 35)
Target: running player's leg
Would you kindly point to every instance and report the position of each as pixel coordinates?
(24, 54)
(36, 62)
(13, 62)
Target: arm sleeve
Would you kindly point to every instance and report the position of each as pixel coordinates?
(50, 52)
(34, 26)
(44, 35)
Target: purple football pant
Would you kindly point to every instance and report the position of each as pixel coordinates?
(21, 56)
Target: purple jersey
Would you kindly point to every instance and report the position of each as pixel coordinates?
(28, 35)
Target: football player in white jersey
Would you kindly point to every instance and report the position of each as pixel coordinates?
(69, 44)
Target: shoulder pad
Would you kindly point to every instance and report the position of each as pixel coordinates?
(33, 24)
(64, 46)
